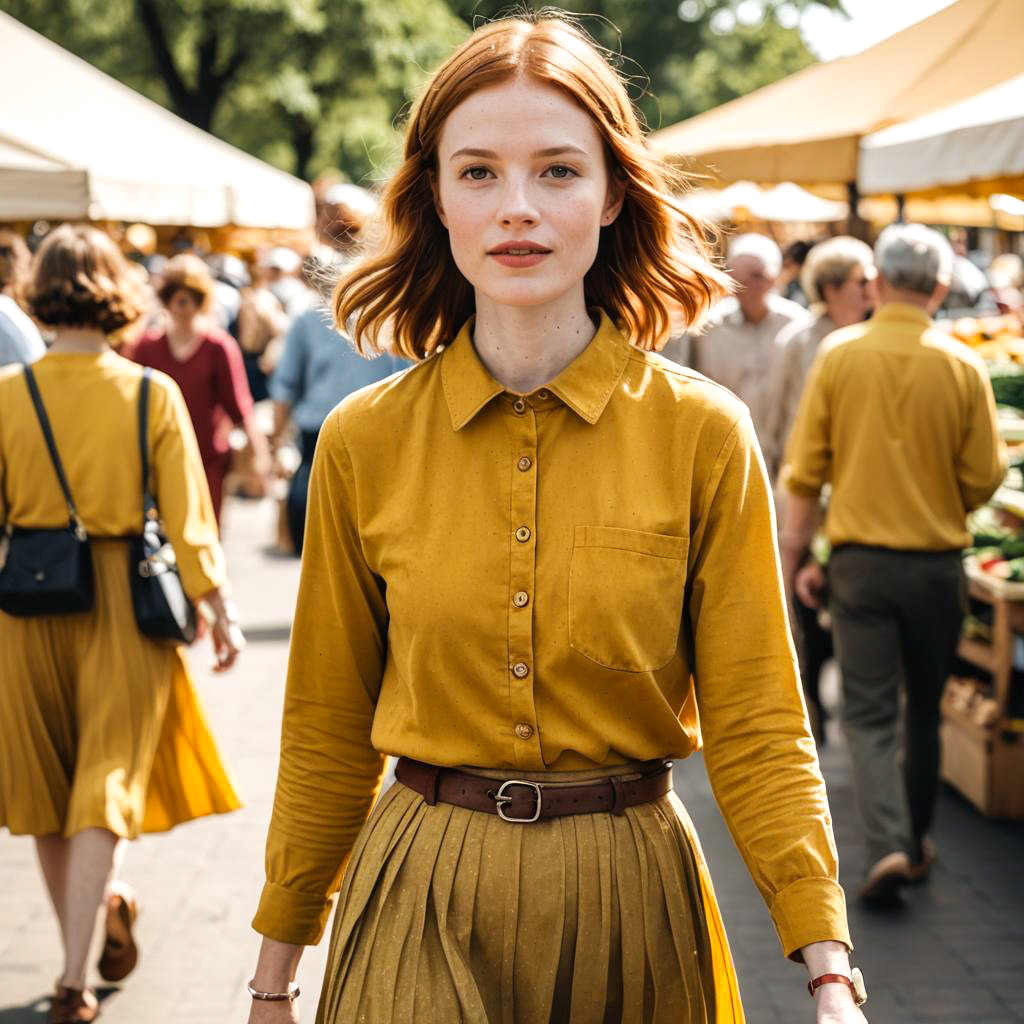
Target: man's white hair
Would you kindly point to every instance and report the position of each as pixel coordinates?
(914, 258)
(761, 248)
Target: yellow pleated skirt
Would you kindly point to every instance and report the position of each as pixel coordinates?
(99, 726)
(450, 915)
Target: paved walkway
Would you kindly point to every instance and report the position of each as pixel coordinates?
(954, 954)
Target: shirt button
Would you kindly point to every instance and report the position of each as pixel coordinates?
(524, 731)
(525, 463)
(519, 405)
(520, 670)
(523, 534)
(543, 393)
(520, 598)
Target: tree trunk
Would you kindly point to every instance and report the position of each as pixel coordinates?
(303, 140)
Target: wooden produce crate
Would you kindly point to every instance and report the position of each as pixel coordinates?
(983, 757)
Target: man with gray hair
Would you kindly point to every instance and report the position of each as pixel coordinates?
(739, 347)
(900, 418)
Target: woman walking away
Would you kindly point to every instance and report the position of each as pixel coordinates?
(102, 735)
(206, 364)
(530, 561)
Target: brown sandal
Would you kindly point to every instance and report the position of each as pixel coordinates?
(73, 1006)
(120, 953)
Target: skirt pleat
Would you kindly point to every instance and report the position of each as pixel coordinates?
(451, 915)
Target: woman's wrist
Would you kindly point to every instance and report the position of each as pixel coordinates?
(277, 965)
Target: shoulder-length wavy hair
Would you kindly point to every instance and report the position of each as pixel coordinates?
(653, 265)
(80, 279)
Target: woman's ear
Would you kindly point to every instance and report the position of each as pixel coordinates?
(613, 201)
(436, 192)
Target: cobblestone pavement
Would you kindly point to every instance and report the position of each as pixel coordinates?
(954, 954)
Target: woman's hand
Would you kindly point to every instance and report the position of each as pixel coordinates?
(225, 633)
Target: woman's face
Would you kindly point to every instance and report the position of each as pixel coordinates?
(523, 188)
(855, 298)
(182, 306)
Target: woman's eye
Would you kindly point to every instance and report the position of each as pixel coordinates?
(476, 173)
(561, 171)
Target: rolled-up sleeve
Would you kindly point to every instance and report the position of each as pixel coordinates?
(760, 756)
(329, 772)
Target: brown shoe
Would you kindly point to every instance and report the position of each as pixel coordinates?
(120, 954)
(919, 870)
(73, 1006)
(885, 878)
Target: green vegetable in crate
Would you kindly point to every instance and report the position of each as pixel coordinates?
(1007, 383)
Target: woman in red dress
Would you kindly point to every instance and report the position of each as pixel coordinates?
(206, 364)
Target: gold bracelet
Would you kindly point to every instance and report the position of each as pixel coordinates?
(276, 997)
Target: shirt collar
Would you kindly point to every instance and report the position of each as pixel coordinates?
(585, 385)
(902, 311)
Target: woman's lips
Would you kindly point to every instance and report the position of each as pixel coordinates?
(519, 259)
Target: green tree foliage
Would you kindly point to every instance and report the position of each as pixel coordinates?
(312, 84)
(306, 84)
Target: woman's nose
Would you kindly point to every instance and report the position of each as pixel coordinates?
(516, 206)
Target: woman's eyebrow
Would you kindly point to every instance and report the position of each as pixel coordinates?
(489, 154)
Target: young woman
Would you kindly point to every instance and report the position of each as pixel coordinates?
(205, 362)
(531, 561)
(102, 735)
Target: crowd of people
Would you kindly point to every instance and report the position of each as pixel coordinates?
(536, 569)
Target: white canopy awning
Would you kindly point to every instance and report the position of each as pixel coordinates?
(980, 139)
(783, 204)
(76, 143)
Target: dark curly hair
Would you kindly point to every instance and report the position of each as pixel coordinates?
(80, 279)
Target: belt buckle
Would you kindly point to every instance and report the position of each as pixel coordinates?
(501, 798)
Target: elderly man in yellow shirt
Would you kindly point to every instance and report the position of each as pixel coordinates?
(901, 420)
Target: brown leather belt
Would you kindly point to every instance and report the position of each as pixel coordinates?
(522, 802)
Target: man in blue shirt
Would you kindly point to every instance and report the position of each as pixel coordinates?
(317, 369)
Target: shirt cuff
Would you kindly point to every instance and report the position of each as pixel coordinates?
(290, 916)
(800, 489)
(810, 910)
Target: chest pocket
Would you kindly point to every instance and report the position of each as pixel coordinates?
(626, 596)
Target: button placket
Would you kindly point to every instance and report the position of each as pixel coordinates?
(522, 722)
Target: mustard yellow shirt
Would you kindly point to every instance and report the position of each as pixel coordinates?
(901, 419)
(91, 402)
(571, 579)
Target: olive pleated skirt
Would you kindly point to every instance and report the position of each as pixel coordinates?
(450, 915)
(99, 726)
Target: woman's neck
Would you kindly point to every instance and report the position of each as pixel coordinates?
(524, 348)
(79, 339)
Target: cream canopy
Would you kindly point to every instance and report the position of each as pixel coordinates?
(975, 147)
(76, 143)
(807, 127)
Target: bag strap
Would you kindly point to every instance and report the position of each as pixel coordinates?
(149, 509)
(44, 423)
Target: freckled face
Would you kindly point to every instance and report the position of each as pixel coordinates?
(523, 188)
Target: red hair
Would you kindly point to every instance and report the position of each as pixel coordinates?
(653, 264)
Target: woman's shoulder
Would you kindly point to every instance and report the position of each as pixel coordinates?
(675, 390)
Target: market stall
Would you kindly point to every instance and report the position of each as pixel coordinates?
(983, 707)
(78, 144)
(807, 127)
(974, 147)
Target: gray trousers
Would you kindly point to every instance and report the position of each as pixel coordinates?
(896, 618)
